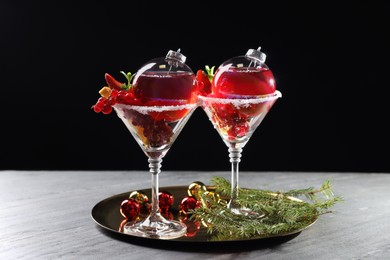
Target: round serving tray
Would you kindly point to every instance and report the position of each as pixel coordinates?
(106, 214)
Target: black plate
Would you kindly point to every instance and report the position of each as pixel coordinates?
(106, 214)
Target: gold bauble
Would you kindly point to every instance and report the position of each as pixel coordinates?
(194, 189)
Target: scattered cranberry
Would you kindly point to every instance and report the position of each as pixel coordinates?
(157, 132)
(231, 118)
(104, 105)
(155, 129)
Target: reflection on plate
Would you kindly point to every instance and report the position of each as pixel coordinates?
(106, 214)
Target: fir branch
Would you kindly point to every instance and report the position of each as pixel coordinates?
(284, 213)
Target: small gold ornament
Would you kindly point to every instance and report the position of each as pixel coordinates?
(139, 196)
(142, 200)
(194, 189)
(208, 196)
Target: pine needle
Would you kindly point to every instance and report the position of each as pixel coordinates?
(284, 213)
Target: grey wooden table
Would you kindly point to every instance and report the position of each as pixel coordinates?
(47, 215)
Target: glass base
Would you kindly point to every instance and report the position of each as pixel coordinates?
(156, 227)
(238, 210)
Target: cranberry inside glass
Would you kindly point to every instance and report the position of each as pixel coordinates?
(243, 91)
(166, 94)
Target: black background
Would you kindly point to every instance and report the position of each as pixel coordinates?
(330, 61)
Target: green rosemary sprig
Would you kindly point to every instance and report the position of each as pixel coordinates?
(284, 212)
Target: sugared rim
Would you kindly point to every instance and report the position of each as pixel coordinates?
(241, 101)
(156, 108)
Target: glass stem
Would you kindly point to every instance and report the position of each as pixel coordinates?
(155, 169)
(235, 158)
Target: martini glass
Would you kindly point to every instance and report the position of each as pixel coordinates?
(155, 136)
(166, 97)
(236, 112)
(236, 120)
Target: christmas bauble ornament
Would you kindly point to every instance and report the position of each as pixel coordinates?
(139, 196)
(209, 196)
(188, 203)
(122, 224)
(142, 199)
(130, 209)
(192, 226)
(167, 215)
(244, 76)
(194, 189)
(165, 200)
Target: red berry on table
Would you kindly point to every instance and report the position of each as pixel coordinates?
(130, 209)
